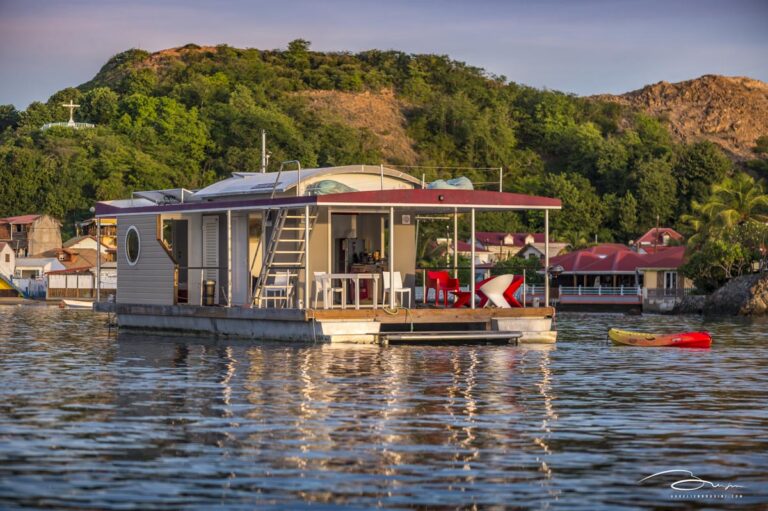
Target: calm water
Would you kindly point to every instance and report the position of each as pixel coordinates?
(89, 421)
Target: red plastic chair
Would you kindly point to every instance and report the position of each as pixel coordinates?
(441, 281)
(509, 293)
(465, 297)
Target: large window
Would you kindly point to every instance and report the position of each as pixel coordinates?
(670, 280)
(132, 245)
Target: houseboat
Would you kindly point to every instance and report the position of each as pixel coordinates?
(319, 255)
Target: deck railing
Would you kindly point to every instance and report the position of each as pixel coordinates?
(600, 291)
(678, 292)
(76, 125)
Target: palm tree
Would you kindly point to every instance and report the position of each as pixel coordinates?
(736, 201)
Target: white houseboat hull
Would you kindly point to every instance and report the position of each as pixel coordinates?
(329, 326)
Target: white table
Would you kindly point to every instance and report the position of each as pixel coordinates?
(355, 278)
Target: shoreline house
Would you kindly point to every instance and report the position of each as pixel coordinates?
(656, 238)
(77, 278)
(7, 259)
(612, 275)
(30, 235)
(503, 245)
(300, 255)
(7, 268)
(30, 274)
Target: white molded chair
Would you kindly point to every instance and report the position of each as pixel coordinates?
(494, 290)
(393, 283)
(280, 290)
(324, 286)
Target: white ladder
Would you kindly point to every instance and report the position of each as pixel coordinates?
(284, 257)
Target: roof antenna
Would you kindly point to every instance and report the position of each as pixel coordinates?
(264, 156)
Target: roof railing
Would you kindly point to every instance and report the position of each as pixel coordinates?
(280, 171)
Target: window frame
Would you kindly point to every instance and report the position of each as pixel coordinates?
(132, 228)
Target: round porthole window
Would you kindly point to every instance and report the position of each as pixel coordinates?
(132, 245)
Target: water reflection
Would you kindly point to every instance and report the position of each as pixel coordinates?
(165, 422)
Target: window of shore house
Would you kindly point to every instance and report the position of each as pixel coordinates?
(670, 280)
(132, 245)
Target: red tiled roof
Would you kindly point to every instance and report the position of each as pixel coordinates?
(462, 246)
(656, 236)
(490, 238)
(615, 258)
(518, 238)
(2, 245)
(618, 262)
(22, 219)
(670, 257)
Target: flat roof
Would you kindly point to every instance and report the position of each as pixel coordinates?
(249, 183)
(415, 199)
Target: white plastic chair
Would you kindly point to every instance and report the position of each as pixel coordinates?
(494, 290)
(324, 286)
(396, 281)
(280, 290)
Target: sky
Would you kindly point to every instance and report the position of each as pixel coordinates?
(578, 46)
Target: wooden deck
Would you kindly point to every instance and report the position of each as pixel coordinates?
(428, 315)
(420, 315)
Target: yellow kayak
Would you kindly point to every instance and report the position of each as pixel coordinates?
(678, 340)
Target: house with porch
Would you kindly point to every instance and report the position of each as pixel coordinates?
(304, 254)
(612, 275)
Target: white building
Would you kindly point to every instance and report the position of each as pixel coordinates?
(7, 259)
(36, 267)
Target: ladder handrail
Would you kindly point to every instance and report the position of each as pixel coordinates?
(275, 239)
(280, 171)
(272, 196)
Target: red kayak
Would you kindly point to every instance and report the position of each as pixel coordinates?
(679, 340)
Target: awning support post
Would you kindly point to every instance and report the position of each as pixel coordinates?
(391, 256)
(98, 260)
(455, 243)
(229, 258)
(306, 257)
(472, 262)
(546, 257)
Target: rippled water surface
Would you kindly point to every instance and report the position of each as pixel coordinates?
(93, 421)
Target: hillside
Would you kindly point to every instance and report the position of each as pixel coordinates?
(379, 112)
(191, 115)
(732, 112)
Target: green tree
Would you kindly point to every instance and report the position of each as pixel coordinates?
(100, 105)
(582, 208)
(627, 215)
(699, 166)
(656, 192)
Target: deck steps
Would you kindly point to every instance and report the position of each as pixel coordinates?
(444, 337)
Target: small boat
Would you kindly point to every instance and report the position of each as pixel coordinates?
(75, 304)
(677, 340)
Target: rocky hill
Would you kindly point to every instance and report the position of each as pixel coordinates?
(729, 111)
(185, 117)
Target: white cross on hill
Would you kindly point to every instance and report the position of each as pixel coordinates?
(71, 107)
